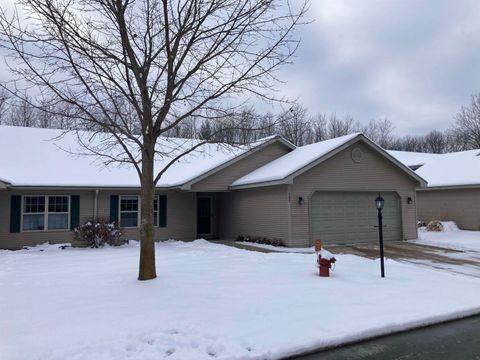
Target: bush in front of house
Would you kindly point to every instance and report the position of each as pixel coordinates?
(435, 225)
(98, 232)
(260, 240)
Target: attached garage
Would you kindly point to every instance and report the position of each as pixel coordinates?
(330, 188)
(349, 217)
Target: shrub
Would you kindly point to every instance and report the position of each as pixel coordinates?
(435, 225)
(260, 240)
(98, 232)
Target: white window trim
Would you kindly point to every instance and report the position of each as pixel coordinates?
(45, 213)
(157, 196)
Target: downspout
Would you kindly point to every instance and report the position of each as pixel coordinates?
(95, 204)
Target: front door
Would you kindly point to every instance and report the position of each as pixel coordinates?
(204, 215)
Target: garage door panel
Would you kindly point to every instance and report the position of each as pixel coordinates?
(343, 217)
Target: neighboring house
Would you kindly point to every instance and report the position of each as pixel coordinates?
(453, 191)
(267, 189)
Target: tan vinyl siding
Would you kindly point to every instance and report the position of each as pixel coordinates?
(181, 215)
(341, 173)
(459, 205)
(221, 180)
(259, 212)
(18, 240)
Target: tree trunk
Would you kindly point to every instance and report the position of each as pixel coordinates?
(147, 269)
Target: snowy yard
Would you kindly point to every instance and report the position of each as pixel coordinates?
(210, 301)
(452, 237)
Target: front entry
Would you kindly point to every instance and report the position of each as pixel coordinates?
(204, 216)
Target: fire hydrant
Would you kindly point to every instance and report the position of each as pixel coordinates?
(325, 262)
(325, 265)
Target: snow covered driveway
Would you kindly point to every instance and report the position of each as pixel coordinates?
(210, 301)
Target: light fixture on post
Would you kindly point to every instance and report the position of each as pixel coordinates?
(379, 203)
(409, 200)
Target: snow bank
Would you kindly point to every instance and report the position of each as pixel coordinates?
(451, 237)
(209, 301)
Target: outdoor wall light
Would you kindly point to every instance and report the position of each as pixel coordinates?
(409, 200)
(300, 200)
(379, 202)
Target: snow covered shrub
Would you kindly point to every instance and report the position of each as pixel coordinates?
(98, 232)
(435, 225)
(260, 240)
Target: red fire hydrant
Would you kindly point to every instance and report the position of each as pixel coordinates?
(325, 265)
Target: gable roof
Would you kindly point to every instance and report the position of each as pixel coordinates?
(457, 169)
(33, 157)
(287, 167)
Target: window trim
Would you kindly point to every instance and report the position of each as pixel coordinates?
(157, 197)
(45, 213)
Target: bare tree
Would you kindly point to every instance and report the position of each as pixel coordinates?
(3, 104)
(22, 113)
(380, 131)
(467, 124)
(293, 124)
(435, 142)
(168, 60)
(341, 126)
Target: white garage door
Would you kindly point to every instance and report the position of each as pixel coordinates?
(350, 217)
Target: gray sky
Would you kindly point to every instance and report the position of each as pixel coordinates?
(413, 61)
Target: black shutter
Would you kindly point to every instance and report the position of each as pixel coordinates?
(114, 209)
(162, 209)
(15, 213)
(74, 211)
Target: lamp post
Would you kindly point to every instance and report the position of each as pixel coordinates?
(379, 202)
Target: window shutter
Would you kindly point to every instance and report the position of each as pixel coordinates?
(114, 209)
(162, 209)
(15, 213)
(74, 211)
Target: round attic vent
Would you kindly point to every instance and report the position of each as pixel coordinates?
(357, 155)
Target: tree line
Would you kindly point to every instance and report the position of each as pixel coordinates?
(294, 123)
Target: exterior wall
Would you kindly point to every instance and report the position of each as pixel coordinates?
(341, 173)
(221, 180)
(459, 205)
(18, 240)
(254, 212)
(181, 217)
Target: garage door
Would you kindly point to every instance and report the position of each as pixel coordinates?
(348, 217)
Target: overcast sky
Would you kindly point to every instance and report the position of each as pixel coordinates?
(415, 62)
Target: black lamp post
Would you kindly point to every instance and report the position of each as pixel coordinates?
(379, 202)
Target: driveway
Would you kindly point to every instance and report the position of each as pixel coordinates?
(456, 261)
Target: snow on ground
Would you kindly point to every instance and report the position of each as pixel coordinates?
(209, 301)
(451, 237)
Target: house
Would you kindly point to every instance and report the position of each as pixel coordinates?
(267, 189)
(453, 191)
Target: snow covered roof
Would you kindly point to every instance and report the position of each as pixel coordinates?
(37, 157)
(302, 157)
(445, 170)
(413, 159)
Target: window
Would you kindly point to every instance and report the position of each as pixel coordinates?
(129, 211)
(45, 213)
